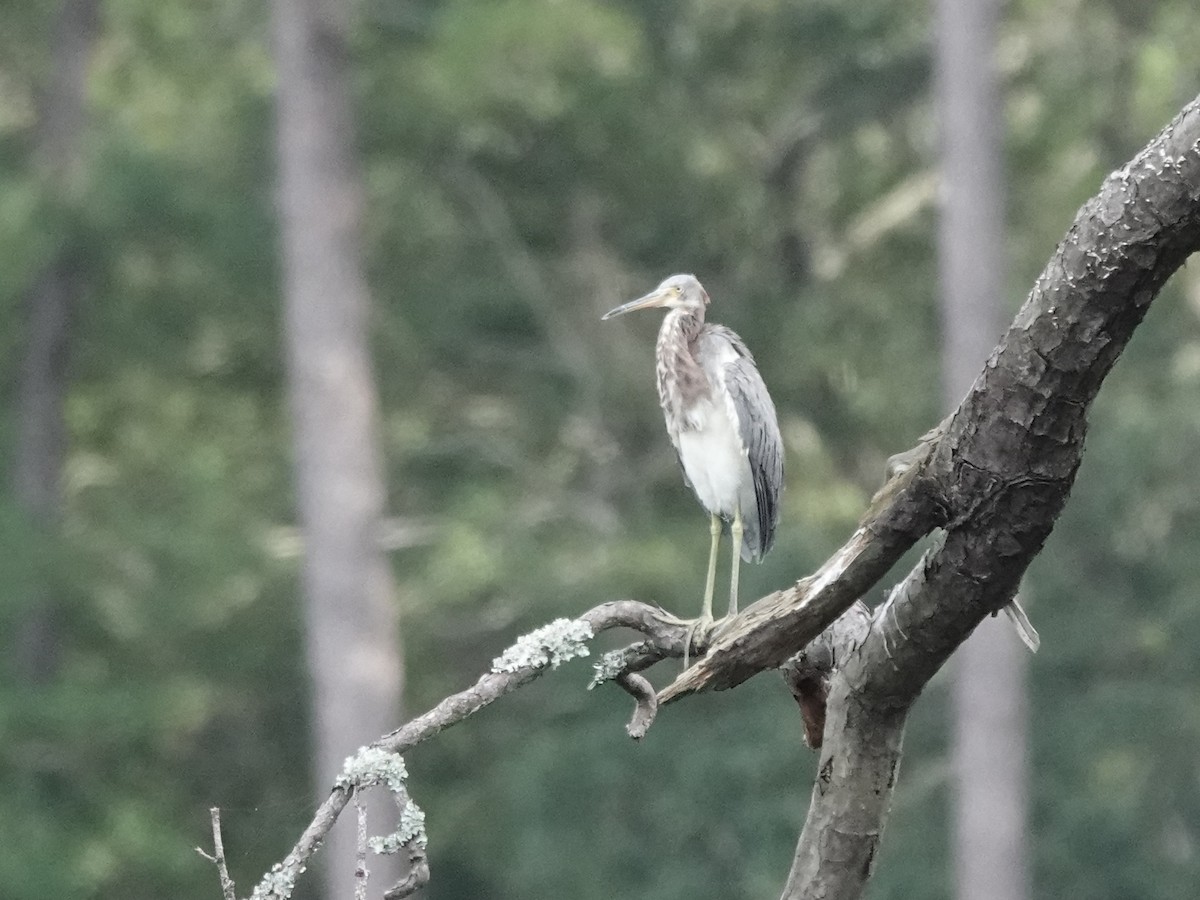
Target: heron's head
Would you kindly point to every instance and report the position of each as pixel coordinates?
(677, 292)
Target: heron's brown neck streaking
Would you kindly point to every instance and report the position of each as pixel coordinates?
(721, 422)
(681, 380)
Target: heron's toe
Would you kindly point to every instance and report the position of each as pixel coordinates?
(699, 636)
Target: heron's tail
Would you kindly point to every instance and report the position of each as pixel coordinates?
(758, 532)
(752, 543)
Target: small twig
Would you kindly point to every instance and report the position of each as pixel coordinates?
(647, 703)
(360, 869)
(417, 877)
(217, 857)
(417, 872)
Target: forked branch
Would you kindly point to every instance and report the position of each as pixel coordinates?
(999, 476)
(526, 661)
(995, 479)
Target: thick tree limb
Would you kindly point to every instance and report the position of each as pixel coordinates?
(808, 673)
(853, 789)
(1001, 474)
(778, 625)
(994, 478)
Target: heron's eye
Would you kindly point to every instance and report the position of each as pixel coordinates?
(678, 290)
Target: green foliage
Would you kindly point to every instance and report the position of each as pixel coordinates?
(528, 164)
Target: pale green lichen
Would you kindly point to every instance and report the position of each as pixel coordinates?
(551, 645)
(275, 885)
(384, 845)
(412, 826)
(608, 667)
(373, 765)
(410, 832)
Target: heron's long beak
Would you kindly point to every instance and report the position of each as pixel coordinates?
(651, 300)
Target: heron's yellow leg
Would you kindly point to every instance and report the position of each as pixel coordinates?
(714, 529)
(736, 531)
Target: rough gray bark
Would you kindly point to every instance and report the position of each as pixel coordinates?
(988, 688)
(41, 443)
(856, 776)
(991, 479)
(998, 477)
(351, 623)
(994, 478)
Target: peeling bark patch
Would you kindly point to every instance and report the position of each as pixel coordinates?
(872, 847)
(825, 777)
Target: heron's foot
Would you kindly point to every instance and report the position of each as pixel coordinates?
(701, 633)
(698, 635)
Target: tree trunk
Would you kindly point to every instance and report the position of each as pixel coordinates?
(42, 383)
(989, 696)
(351, 623)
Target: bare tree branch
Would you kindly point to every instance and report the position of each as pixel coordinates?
(217, 857)
(417, 870)
(647, 703)
(808, 673)
(775, 627)
(1001, 474)
(855, 778)
(994, 478)
(417, 878)
(524, 662)
(360, 850)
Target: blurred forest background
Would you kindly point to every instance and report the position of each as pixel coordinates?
(528, 164)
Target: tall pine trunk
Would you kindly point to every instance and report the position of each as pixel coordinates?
(989, 675)
(351, 623)
(41, 443)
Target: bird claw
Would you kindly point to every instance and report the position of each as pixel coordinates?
(699, 634)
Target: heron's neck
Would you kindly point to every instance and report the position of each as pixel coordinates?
(681, 379)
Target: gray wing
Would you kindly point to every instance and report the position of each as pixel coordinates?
(747, 399)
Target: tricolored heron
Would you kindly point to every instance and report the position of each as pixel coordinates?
(722, 423)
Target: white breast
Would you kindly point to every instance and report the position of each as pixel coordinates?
(713, 458)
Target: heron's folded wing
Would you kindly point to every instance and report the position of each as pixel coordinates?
(758, 426)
